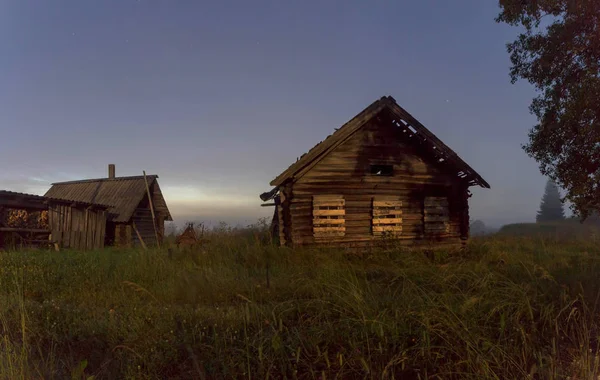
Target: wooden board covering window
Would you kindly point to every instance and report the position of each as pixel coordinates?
(387, 216)
(436, 215)
(329, 216)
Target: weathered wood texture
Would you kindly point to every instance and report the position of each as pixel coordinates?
(142, 217)
(413, 216)
(77, 228)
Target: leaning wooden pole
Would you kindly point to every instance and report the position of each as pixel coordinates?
(139, 235)
(152, 210)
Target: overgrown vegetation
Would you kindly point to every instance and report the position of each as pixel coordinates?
(508, 307)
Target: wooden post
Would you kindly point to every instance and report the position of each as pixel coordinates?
(151, 210)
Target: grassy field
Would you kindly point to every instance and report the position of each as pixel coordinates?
(509, 307)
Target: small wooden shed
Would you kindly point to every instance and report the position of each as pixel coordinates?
(70, 224)
(129, 213)
(380, 175)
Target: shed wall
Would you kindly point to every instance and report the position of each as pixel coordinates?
(77, 228)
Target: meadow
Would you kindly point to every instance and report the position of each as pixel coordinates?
(508, 307)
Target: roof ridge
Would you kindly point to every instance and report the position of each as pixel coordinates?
(124, 178)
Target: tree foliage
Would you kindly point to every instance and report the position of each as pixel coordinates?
(551, 207)
(559, 53)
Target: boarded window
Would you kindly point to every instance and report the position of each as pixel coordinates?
(387, 216)
(436, 215)
(329, 216)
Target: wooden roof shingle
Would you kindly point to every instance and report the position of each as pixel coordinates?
(122, 194)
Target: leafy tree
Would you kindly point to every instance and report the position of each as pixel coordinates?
(551, 208)
(559, 53)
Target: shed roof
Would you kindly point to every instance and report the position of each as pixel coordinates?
(402, 119)
(13, 198)
(122, 194)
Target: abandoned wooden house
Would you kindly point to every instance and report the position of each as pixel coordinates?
(133, 201)
(382, 174)
(64, 223)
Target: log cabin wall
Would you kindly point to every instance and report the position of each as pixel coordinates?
(426, 204)
(142, 217)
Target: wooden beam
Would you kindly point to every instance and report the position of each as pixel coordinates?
(34, 230)
(151, 210)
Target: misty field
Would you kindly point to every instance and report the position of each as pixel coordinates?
(508, 307)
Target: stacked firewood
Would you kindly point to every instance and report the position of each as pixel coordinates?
(22, 219)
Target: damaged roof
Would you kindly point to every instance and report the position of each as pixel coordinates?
(443, 154)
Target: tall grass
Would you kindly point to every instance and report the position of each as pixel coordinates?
(507, 307)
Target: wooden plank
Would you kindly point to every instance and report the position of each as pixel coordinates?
(378, 212)
(70, 225)
(96, 228)
(328, 221)
(387, 204)
(128, 236)
(387, 221)
(92, 230)
(84, 235)
(387, 228)
(329, 212)
(102, 228)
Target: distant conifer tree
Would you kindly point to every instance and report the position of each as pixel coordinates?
(551, 207)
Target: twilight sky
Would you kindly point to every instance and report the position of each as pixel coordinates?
(219, 97)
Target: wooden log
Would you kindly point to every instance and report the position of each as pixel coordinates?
(387, 204)
(428, 218)
(326, 230)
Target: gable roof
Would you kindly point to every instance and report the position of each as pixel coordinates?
(417, 131)
(122, 194)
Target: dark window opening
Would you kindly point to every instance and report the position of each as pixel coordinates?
(382, 170)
